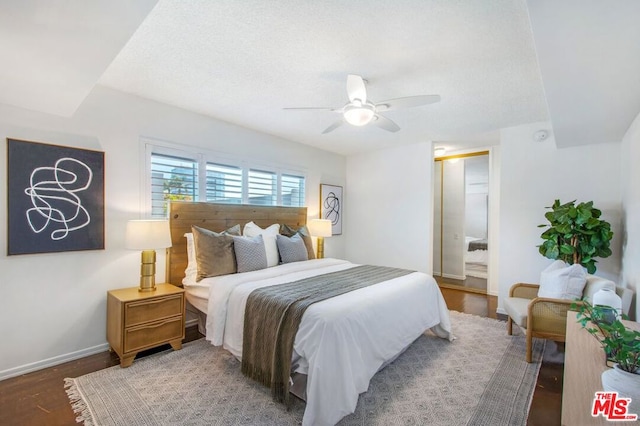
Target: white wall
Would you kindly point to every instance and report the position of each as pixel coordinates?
(53, 306)
(389, 207)
(630, 159)
(532, 176)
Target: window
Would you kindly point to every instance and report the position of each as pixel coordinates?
(172, 178)
(292, 190)
(262, 188)
(182, 173)
(224, 183)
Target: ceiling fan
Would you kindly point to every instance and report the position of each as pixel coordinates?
(360, 111)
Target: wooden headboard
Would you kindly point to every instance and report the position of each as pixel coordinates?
(218, 217)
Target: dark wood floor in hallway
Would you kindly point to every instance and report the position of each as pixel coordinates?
(39, 398)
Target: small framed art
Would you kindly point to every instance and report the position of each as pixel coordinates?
(55, 198)
(331, 206)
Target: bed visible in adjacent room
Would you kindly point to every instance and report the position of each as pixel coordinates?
(339, 342)
(476, 257)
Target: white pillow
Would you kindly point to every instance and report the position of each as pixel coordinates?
(192, 267)
(269, 238)
(562, 281)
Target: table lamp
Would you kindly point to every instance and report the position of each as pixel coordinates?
(148, 235)
(320, 228)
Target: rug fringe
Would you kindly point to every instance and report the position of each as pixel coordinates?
(78, 404)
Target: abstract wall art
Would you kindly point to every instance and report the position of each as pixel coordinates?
(331, 206)
(55, 198)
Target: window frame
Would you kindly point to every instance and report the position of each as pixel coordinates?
(151, 146)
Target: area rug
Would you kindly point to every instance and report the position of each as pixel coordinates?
(481, 378)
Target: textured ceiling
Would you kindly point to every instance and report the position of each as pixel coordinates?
(244, 61)
(495, 63)
(53, 53)
(590, 64)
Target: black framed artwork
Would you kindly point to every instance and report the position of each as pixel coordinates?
(331, 206)
(55, 198)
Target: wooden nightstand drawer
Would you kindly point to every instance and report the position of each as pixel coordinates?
(142, 320)
(153, 334)
(154, 309)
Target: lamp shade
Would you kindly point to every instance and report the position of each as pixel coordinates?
(147, 234)
(320, 228)
(359, 115)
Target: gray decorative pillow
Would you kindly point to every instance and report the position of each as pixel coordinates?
(303, 231)
(214, 252)
(250, 253)
(291, 249)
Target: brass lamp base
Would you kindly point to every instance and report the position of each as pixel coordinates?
(148, 271)
(320, 248)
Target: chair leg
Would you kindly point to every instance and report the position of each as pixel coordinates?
(509, 326)
(529, 345)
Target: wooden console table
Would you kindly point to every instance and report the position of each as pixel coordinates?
(584, 362)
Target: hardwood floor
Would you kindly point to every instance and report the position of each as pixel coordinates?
(39, 398)
(471, 284)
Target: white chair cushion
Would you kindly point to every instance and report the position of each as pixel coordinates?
(516, 308)
(562, 281)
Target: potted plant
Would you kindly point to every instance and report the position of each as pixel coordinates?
(621, 346)
(576, 234)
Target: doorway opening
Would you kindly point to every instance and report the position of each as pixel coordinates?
(461, 221)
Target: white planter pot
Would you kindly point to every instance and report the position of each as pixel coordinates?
(626, 384)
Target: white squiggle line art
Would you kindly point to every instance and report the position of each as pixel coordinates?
(54, 198)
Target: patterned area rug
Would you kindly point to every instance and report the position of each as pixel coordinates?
(481, 378)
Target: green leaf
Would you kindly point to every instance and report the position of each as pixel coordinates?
(552, 252)
(567, 249)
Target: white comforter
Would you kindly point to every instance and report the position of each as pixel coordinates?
(341, 342)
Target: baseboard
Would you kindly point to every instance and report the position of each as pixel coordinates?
(61, 359)
(454, 277)
(50, 362)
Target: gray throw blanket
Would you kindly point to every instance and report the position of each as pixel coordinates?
(273, 314)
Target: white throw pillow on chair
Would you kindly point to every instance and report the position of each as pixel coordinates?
(562, 281)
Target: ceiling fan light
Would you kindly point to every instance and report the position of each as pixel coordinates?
(358, 115)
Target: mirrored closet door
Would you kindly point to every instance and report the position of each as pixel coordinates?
(461, 216)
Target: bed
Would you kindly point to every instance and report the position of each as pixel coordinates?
(341, 342)
(476, 257)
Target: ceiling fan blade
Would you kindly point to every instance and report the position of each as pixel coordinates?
(356, 88)
(315, 109)
(408, 102)
(333, 126)
(386, 124)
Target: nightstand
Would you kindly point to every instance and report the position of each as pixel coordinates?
(142, 320)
